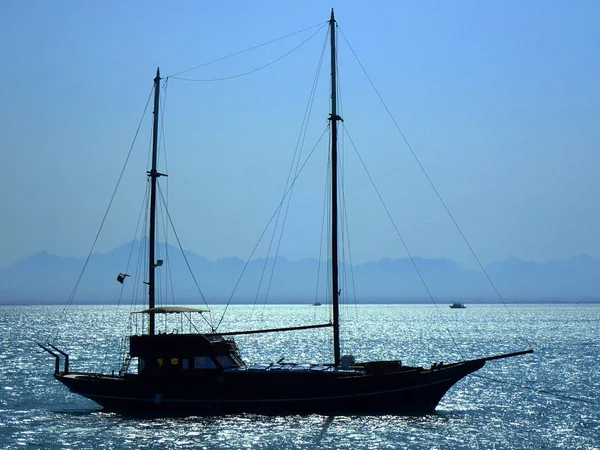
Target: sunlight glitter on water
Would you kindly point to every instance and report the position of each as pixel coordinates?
(38, 412)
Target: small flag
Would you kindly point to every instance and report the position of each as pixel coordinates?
(121, 277)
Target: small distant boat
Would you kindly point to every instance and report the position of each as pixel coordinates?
(457, 306)
(316, 304)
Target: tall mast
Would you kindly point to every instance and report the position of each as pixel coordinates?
(153, 174)
(334, 213)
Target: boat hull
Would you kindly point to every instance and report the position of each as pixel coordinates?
(409, 391)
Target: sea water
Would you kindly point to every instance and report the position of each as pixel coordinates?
(547, 400)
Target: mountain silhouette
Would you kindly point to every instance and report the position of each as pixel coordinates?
(46, 278)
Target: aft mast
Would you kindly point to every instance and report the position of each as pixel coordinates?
(334, 213)
(153, 174)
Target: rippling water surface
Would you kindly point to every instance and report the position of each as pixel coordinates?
(547, 400)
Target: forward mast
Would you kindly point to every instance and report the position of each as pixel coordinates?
(153, 174)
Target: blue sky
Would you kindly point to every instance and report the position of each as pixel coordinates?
(500, 100)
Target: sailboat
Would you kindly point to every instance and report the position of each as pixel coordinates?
(204, 373)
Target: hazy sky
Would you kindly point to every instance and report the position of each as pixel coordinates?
(500, 100)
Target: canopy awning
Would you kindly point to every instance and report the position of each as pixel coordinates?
(171, 310)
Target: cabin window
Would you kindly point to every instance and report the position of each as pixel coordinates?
(226, 361)
(185, 363)
(174, 361)
(204, 362)
(141, 364)
(159, 361)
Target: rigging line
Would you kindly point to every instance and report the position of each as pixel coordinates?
(324, 214)
(121, 291)
(141, 217)
(346, 227)
(159, 248)
(140, 289)
(297, 151)
(247, 50)
(143, 248)
(267, 227)
(343, 282)
(342, 164)
(257, 68)
(169, 281)
(437, 193)
(162, 131)
(538, 391)
(107, 343)
(402, 239)
(74, 291)
(185, 257)
(328, 241)
(164, 153)
(323, 222)
(295, 161)
(169, 270)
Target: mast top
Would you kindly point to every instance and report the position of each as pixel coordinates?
(158, 69)
(332, 18)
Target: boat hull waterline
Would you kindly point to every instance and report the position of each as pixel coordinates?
(408, 391)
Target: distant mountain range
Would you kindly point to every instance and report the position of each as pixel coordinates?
(46, 278)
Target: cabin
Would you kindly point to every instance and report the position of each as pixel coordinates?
(174, 352)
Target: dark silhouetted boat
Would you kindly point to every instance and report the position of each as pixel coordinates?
(203, 373)
(457, 306)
